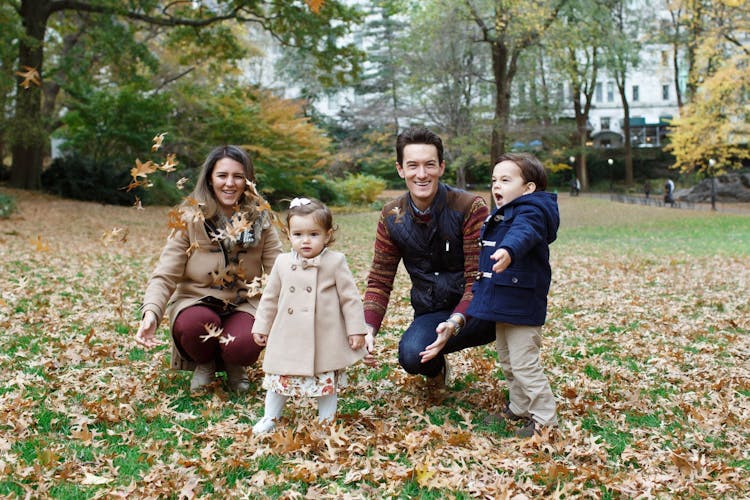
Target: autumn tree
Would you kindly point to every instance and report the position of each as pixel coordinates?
(621, 57)
(444, 70)
(317, 27)
(575, 45)
(715, 123)
(509, 27)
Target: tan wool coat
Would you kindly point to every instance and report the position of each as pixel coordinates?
(308, 310)
(191, 269)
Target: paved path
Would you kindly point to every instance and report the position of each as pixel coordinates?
(656, 201)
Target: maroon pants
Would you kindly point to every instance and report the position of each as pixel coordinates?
(188, 329)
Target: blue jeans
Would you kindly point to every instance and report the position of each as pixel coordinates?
(421, 333)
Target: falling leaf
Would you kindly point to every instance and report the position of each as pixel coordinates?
(212, 332)
(142, 169)
(117, 234)
(181, 182)
(169, 164)
(39, 245)
(30, 76)
(158, 139)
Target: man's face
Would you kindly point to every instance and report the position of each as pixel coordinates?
(422, 171)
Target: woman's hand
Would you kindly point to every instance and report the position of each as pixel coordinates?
(357, 341)
(260, 338)
(146, 335)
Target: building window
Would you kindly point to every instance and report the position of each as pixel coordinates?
(664, 58)
(610, 91)
(636, 93)
(665, 92)
(604, 122)
(599, 93)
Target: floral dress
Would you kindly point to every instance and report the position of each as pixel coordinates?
(322, 384)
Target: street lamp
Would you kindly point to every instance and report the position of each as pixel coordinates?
(611, 174)
(712, 172)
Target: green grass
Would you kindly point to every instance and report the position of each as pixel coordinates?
(644, 371)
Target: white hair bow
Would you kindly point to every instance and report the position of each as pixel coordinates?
(298, 202)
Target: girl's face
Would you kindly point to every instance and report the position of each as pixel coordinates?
(308, 237)
(508, 183)
(228, 181)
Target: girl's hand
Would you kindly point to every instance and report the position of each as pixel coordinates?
(357, 341)
(260, 339)
(146, 335)
(503, 260)
(369, 359)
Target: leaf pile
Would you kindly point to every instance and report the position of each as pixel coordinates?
(648, 353)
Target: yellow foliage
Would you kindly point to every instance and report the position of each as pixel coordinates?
(715, 124)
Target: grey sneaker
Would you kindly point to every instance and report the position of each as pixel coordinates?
(529, 429)
(237, 379)
(202, 375)
(505, 415)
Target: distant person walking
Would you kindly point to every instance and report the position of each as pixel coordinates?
(669, 192)
(647, 189)
(575, 186)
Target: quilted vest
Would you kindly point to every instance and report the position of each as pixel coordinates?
(432, 250)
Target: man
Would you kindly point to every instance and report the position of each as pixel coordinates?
(435, 230)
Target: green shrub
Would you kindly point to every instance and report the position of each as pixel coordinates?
(360, 189)
(323, 190)
(7, 206)
(84, 179)
(163, 192)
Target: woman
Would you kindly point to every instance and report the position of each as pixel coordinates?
(207, 275)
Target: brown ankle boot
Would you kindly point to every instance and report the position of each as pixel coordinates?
(202, 375)
(237, 379)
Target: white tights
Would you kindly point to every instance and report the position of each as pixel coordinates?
(275, 405)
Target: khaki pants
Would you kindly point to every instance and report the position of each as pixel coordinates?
(518, 353)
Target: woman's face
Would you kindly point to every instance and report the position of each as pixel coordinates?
(228, 182)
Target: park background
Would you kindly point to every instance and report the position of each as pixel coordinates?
(647, 339)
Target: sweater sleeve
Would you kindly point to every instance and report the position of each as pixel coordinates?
(385, 260)
(472, 230)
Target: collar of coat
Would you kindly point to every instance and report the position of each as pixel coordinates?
(305, 262)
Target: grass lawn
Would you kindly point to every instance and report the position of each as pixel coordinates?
(647, 347)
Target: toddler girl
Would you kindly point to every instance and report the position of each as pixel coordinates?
(310, 317)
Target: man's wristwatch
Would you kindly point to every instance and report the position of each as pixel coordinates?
(457, 324)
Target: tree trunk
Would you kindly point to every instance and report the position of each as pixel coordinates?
(628, 142)
(29, 141)
(502, 100)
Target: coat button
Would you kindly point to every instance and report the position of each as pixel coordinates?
(294, 267)
(291, 289)
(290, 310)
(514, 280)
(308, 289)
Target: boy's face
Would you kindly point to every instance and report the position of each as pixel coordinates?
(508, 183)
(421, 170)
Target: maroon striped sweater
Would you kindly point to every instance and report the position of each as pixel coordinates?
(387, 257)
